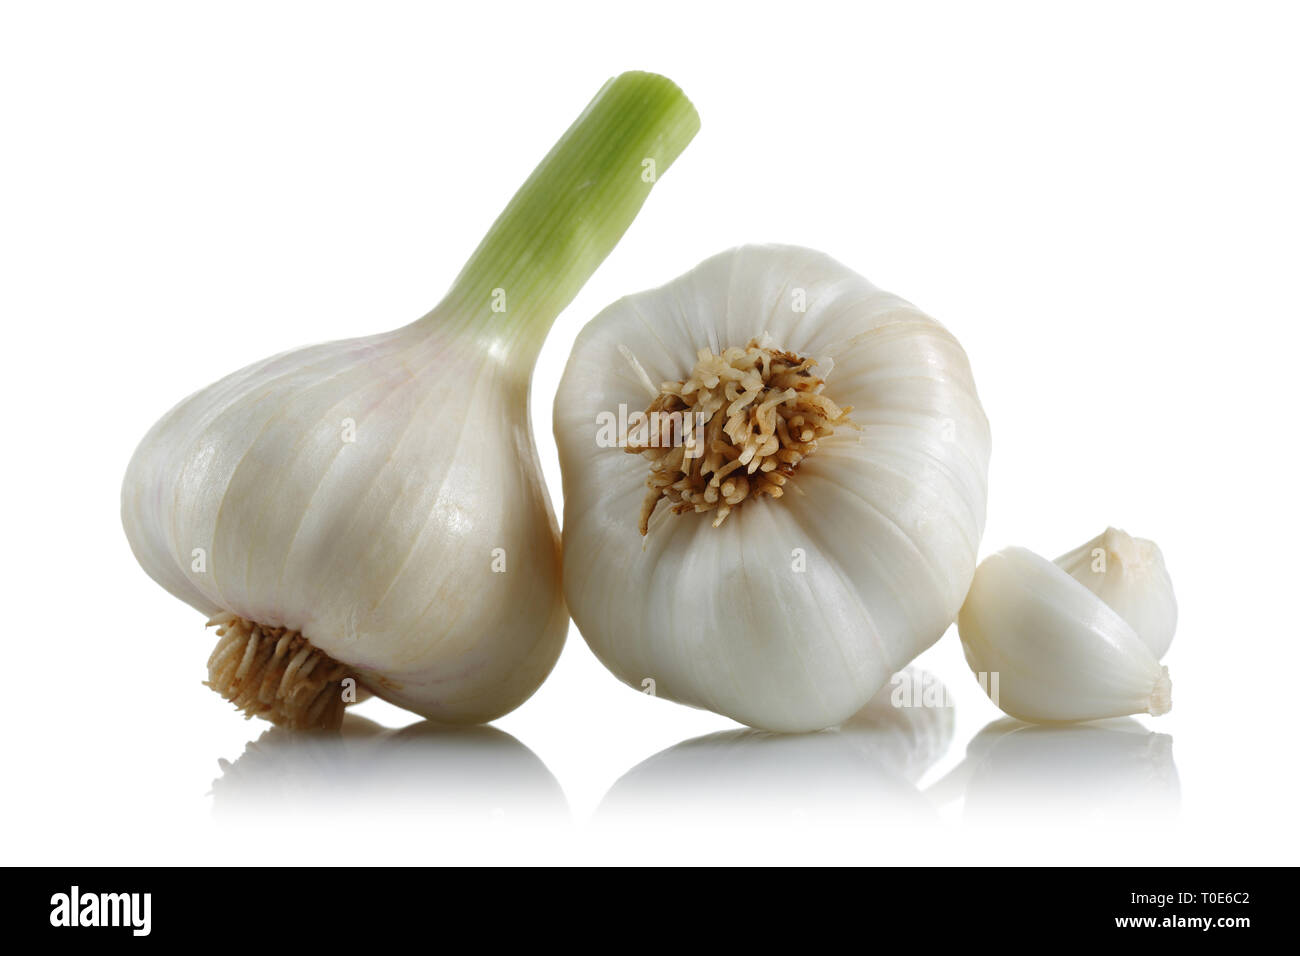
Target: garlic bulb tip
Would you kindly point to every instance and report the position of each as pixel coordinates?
(1161, 695)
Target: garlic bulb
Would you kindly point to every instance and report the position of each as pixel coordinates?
(370, 514)
(1129, 574)
(1047, 649)
(802, 514)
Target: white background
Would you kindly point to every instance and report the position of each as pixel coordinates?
(1102, 201)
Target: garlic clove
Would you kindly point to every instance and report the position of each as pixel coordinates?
(1049, 650)
(1129, 574)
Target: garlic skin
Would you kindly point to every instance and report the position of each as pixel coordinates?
(373, 510)
(794, 611)
(340, 492)
(1059, 652)
(1129, 574)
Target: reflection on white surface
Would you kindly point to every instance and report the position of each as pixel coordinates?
(864, 770)
(1105, 771)
(461, 774)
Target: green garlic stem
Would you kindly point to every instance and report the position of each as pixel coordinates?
(569, 215)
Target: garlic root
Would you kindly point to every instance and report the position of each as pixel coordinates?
(276, 674)
(761, 411)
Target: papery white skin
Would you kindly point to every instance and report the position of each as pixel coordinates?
(1129, 574)
(1060, 653)
(379, 550)
(888, 517)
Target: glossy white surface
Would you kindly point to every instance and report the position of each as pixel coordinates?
(1101, 204)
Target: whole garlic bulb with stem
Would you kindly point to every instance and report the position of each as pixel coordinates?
(1048, 650)
(1129, 574)
(373, 509)
(823, 529)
